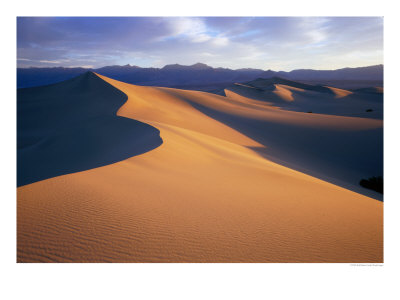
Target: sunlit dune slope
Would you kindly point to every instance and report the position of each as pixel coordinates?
(202, 196)
(339, 93)
(339, 149)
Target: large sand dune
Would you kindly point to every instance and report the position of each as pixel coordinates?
(208, 193)
(73, 126)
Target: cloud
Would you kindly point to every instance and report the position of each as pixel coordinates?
(282, 43)
(192, 28)
(220, 41)
(50, 61)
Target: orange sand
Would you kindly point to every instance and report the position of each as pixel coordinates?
(202, 196)
(339, 93)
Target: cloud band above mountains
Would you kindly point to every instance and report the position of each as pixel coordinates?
(282, 43)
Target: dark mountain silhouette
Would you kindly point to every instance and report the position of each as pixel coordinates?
(363, 73)
(198, 76)
(198, 66)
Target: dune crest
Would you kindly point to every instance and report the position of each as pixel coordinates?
(339, 93)
(73, 126)
(283, 92)
(280, 135)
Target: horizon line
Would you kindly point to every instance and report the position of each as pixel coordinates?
(129, 65)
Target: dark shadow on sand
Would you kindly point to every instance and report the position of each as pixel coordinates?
(331, 155)
(72, 126)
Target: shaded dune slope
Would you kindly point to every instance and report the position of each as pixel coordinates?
(204, 195)
(72, 126)
(336, 149)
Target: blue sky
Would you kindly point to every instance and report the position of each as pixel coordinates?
(278, 43)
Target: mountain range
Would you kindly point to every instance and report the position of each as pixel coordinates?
(196, 76)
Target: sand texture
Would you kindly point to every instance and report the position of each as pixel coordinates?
(195, 177)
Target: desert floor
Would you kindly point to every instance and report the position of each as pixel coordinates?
(113, 172)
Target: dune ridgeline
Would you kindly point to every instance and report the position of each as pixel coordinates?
(113, 172)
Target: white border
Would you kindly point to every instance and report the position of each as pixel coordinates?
(198, 281)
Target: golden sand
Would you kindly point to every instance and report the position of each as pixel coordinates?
(202, 196)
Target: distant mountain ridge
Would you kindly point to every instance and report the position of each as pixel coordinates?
(176, 75)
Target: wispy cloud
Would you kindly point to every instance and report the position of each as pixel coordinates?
(235, 42)
(50, 61)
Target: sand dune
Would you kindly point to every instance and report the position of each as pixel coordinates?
(296, 96)
(284, 92)
(339, 93)
(72, 126)
(348, 149)
(205, 194)
(373, 90)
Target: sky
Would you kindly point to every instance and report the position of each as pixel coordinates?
(277, 43)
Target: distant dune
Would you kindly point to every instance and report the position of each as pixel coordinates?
(297, 96)
(221, 187)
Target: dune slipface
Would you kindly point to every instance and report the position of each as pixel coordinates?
(204, 195)
(72, 126)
